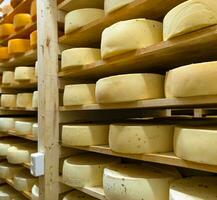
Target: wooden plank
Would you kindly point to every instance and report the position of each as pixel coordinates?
(69, 5)
(28, 137)
(29, 84)
(18, 109)
(91, 33)
(48, 138)
(197, 46)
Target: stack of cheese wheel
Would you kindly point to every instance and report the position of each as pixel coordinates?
(113, 5)
(4, 54)
(24, 73)
(77, 195)
(6, 124)
(8, 171)
(79, 94)
(35, 99)
(6, 30)
(78, 18)
(33, 10)
(196, 144)
(81, 56)
(192, 80)
(86, 169)
(24, 181)
(35, 192)
(24, 100)
(141, 139)
(85, 135)
(19, 154)
(130, 35)
(24, 127)
(194, 188)
(33, 39)
(15, 3)
(8, 78)
(129, 87)
(189, 16)
(8, 193)
(21, 20)
(8, 100)
(35, 130)
(18, 46)
(132, 182)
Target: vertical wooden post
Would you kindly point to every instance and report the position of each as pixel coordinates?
(48, 112)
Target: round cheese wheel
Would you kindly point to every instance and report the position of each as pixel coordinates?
(4, 54)
(33, 39)
(21, 20)
(23, 181)
(192, 80)
(8, 193)
(81, 56)
(33, 10)
(78, 18)
(141, 139)
(130, 35)
(35, 99)
(85, 135)
(6, 124)
(6, 30)
(194, 188)
(133, 182)
(23, 128)
(79, 94)
(24, 100)
(129, 87)
(19, 154)
(86, 169)
(35, 130)
(24, 73)
(189, 16)
(8, 100)
(18, 46)
(196, 144)
(8, 171)
(8, 77)
(77, 195)
(35, 192)
(113, 5)
(15, 3)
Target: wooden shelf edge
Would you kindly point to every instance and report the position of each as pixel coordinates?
(28, 137)
(18, 109)
(31, 84)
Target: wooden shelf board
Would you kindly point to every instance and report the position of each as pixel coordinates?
(30, 84)
(91, 33)
(18, 109)
(28, 137)
(197, 46)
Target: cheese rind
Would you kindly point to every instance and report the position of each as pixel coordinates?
(4, 54)
(189, 16)
(6, 30)
(78, 18)
(79, 94)
(194, 188)
(77, 195)
(8, 171)
(141, 139)
(24, 73)
(35, 130)
(33, 39)
(81, 56)
(192, 80)
(21, 20)
(35, 192)
(36, 68)
(86, 169)
(196, 144)
(6, 124)
(23, 128)
(24, 100)
(18, 46)
(130, 35)
(35, 99)
(129, 87)
(8, 100)
(8, 77)
(85, 135)
(33, 10)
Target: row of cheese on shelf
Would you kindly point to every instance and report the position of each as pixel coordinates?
(17, 151)
(18, 47)
(20, 100)
(187, 81)
(20, 126)
(139, 33)
(135, 181)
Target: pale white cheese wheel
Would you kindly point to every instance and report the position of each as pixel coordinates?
(8, 77)
(23, 127)
(81, 17)
(130, 35)
(189, 16)
(133, 182)
(35, 192)
(77, 195)
(86, 169)
(129, 87)
(85, 135)
(24, 73)
(77, 57)
(141, 139)
(194, 188)
(6, 124)
(8, 100)
(36, 68)
(79, 94)
(35, 99)
(24, 100)
(113, 5)
(24, 181)
(19, 154)
(8, 171)
(192, 80)
(196, 144)
(35, 130)
(8, 193)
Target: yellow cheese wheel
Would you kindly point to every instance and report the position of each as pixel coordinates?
(15, 3)
(21, 20)
(33, 39)
(4, 54)
(6, 30)
(8, 100)
(33, 10)
(18, 46)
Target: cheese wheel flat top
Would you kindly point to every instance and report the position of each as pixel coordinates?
(21, 20)
(8, 100)
(24, 73)
(8, 77)
(4, 53)
(6, 30)
(77, 195)
(189, 16)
